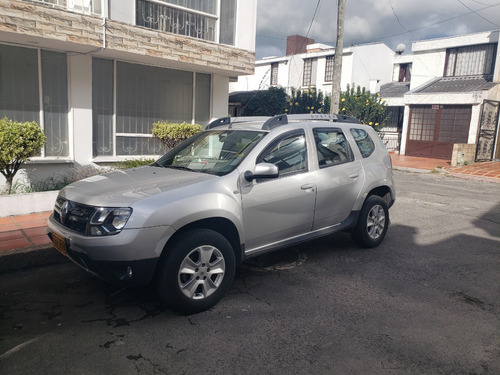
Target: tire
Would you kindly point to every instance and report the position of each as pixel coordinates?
(372, 223)
(197, 271)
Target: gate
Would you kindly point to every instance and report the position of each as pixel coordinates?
(488, 127)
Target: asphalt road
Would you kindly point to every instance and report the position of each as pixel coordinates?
(426, 301)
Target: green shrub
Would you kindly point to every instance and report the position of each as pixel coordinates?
(18, 142)
(171, 134)
(309, 100)
(270, 102)
(368, 108)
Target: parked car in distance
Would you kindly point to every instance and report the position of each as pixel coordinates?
(240, 188)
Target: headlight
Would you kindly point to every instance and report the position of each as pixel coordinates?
(109, 221)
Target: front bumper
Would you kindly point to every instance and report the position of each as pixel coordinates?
(128, 258)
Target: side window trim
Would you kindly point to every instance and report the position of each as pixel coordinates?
(341, 152)
(366, 145)
(276, 141)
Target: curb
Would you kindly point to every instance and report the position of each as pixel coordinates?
(36, 256)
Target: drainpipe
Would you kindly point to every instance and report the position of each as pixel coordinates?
(104, 9)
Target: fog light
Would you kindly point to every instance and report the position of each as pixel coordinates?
(129, 272)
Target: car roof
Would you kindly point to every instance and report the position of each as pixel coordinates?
(269, 123)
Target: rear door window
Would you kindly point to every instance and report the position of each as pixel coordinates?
(363, 140)
(332, 147)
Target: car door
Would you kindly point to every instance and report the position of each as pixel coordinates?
(339, 177)
(279, 208)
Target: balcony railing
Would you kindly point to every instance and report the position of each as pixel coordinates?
(171, 18)
(80, 6)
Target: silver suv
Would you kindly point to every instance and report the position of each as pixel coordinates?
(242, 187)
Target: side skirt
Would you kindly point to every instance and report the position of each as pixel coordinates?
(348, 223)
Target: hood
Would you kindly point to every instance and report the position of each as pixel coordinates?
(123, 188)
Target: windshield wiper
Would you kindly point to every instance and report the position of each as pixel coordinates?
(180, 167)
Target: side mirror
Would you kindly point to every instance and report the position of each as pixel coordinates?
(262, 170)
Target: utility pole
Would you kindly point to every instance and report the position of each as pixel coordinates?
(337, 61)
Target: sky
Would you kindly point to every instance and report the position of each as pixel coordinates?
(366, 21)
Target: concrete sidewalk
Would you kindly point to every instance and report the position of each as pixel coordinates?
(24, 243)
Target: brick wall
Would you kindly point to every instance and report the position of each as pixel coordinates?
(20, 18)
(463, 153)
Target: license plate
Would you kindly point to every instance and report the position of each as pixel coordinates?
(59, 243)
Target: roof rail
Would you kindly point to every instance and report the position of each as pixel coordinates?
(234, 120)
(283, 119)
(275, 121)
(219, 122)
(324, 117)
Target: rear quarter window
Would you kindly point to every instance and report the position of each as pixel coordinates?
(364, 141)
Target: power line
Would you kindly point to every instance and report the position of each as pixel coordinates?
(477, 14)
(438, 22)
(397, 18)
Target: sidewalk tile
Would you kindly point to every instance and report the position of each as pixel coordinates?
(14, 244)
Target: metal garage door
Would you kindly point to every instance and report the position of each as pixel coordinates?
(434, 129)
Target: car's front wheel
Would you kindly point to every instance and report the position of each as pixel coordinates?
(197, 271)
(372, 223)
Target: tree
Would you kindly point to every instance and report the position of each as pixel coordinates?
(18, 142)
(308, 101)
(171, 134)
(270, 102)
(368, 108)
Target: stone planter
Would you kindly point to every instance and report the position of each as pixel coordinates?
(23, 204)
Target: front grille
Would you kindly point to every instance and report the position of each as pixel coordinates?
(72, 215)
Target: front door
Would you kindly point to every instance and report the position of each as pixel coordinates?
(487, 130)
(279, 208)
(433, 130)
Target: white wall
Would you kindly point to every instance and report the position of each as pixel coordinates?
(426, 66)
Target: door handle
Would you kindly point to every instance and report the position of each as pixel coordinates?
(354, 175)
(307, 187)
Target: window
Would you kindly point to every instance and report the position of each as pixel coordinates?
(214, 152)
(331, 147)
(307, 76)
(394, 120)
(454, 126)
(102, 107)
(288, 153)
(227, 21)
(472, 60)
(20, 93)
(365, 143)
(422, 124)
(194, 18)
(329, 68)
(274, 73)
(144, 95)
(404, 73)
(55, 103)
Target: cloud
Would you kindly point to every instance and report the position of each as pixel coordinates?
(371, 21)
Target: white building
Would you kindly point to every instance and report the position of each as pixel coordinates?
(366, 65)
(95, 74)
(446, 96)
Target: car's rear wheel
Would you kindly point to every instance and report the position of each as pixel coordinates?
(372, 223)
(197, 271)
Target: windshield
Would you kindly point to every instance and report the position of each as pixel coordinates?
(216, 152)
